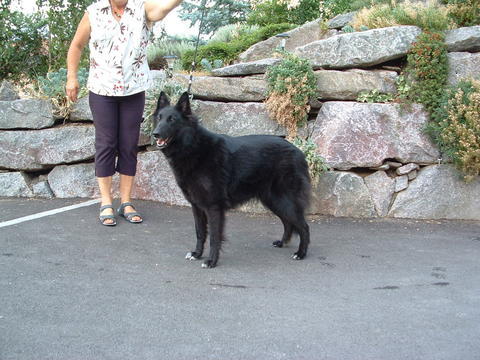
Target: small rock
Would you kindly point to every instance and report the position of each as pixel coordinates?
(412, 175)
(403, 170)
(394, 164)
(401, 183)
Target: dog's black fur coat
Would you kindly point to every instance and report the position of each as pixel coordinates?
(218, 172)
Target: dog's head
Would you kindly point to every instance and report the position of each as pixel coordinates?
(171, 122)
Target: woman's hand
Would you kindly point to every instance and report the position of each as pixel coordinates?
(72, 88)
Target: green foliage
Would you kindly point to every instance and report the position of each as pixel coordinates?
(22, 50)
(227, 52)
(291, 84)
(230, 32)
(52, 86)
(455, 127)
(218, 13)
(208, 66)
(427, 17)
(331, 8)
(464, 12)
(374, 96)
(316, 164)
(277, 12)
(62, 19)
(167, 46)
(173, 90)
(427, 70)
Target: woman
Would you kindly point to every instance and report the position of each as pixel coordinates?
(118, 33)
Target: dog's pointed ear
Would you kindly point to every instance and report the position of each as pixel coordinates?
(183, 104)
(163, 101)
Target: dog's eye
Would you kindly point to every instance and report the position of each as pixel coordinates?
(170, 119)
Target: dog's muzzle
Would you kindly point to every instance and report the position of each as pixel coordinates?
(162, 143)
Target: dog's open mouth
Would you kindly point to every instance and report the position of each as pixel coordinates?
(162, 143)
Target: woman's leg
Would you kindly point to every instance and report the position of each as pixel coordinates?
(131, 112)
(105, 118)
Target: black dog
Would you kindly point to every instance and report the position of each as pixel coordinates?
(218, 172)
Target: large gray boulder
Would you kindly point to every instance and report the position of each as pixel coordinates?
(26, 114)
(347, 85)
(240, 89)
(246, 68)
(360, 49)
(81, 110)
(463, 39)
(7, 91)
(438, 192)
(299, 36)
(14, 184)
(463, 65)
(349, 135)
(342, 194)
(35, 150)
(71, 181)
(236, 119)
(155, 180)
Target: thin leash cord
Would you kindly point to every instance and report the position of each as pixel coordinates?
(190, 80)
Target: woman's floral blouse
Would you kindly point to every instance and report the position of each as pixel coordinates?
(118, 49)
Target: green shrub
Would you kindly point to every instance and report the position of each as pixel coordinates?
(428, 17)
(52, 86)
(227, 52)
(456, 127)
(277, 11)
(291, 84)
(316, 164)
(427, 70)
(464, 13)
(374, 96)
(22, 45)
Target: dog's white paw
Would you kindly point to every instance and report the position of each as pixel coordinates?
(190, 256)
(205, 266)
(296, 257)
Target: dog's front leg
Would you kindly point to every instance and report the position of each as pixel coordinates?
(201, 231)
(216, 221)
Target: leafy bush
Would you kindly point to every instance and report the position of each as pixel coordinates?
(464, 12)
(291, 84)
(230, 32)
(227, 52)
(22, 45)
(269, 12)
(167, 46)
(427, 70)
(374, 96)
(456, 127)
(316, 164)
(52, 86)
(429, 17)
(62, 18)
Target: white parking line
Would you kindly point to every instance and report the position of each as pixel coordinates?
(48, 213)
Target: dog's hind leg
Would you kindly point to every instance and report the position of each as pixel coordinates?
(287, 234)
(201, 231)
(278, 207)
(303, 230)
(216, 221)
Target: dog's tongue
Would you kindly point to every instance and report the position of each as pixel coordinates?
(161, 142)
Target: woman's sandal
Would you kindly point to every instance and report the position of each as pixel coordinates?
(109, 216)
(130, 215)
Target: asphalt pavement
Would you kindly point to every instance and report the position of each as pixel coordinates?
(72, 289)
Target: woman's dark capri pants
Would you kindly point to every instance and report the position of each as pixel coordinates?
(117, 122)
